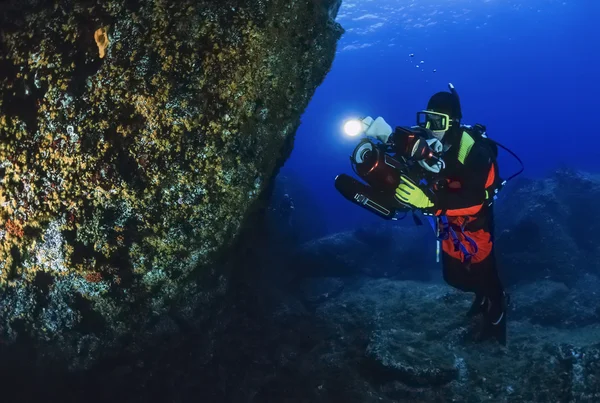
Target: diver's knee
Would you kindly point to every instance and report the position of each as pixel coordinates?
(456, 275)
(452, 276)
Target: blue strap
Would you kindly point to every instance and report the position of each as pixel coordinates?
(447, 231)
(469, 239)
(472, 242)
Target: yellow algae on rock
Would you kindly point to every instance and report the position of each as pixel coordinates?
(143, 169)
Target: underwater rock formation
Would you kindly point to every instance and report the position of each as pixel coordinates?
(136, 137)
(375, 340)
(379, 250)
(416, 344)
(550, 303)
(546, 228)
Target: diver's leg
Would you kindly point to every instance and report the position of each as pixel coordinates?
(456, 274)
(491, 287)
(459, 276)
(479, 305)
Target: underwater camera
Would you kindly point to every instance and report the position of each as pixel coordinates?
(373, 162)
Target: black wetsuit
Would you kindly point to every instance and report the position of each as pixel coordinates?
(470, 171)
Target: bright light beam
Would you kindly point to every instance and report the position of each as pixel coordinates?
(353, 127)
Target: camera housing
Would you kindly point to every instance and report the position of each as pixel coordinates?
(373, 163)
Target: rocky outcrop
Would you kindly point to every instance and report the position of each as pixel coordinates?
(350, 337)
(419, 347)
(550, 303)
(546, 228)
(403, 341)
(383, 250)
(136, 139)
(375, 340)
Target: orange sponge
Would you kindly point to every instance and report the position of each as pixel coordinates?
(101, 37)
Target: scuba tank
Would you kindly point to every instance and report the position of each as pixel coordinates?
(478, 132)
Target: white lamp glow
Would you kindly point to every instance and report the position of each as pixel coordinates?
(353, 127)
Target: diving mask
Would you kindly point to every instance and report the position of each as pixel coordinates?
(437, 123)
(434, 121)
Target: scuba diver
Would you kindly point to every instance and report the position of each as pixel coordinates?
(462, 209)
(458, 202)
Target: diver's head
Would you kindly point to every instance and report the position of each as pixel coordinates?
(442, 116)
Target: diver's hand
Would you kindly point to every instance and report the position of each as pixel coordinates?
(410, 194)
(377, 128)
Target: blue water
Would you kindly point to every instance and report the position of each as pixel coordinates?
(526, 69)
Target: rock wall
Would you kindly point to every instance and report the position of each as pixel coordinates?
(546, 228)
(135, 139)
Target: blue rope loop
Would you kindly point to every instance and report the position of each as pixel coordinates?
(446, 231)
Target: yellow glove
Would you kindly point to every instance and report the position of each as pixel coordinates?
(409, 193)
